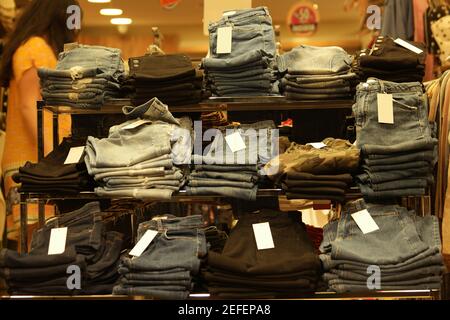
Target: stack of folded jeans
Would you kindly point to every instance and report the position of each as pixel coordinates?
(224, 180)
(399, 158)
(317, 187)
(165, 269)
(406, 250)
(89, 246)
(313, 73)
(138, 158)
(248, 69)
(307, 172)
(242, 271)
(234, 174)
(85, 77)
(51, 175)
(171, 78)
(391, 62)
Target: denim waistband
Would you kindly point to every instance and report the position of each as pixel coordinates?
(240, 16)
(381, 86)
(169, 222)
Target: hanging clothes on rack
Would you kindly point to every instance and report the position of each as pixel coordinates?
(439, 97)
(398, 19)
(436, 10)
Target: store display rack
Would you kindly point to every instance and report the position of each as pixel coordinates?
(211, 105)
(114, 106)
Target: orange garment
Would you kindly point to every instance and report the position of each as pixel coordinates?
(20, 147)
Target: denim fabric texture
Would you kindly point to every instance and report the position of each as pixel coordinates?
(85, 77)
(166, 268)
(391, 153)
(248, 70)
(406, 249)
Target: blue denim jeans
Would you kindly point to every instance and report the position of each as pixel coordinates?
(261, 142)
(230, 192)
(107, 60)
(250, 57)
(180, 243)
(411, 131)
(392, 176)
(395, 242)
(69, 74)
(428, 156)
(311, 60)
(244, 38)
(154, 109)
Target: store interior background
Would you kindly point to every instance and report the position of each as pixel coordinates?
(182, 26)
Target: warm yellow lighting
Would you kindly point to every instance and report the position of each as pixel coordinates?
(111, 12)
(121, 21)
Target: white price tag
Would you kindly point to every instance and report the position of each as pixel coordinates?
(235, 142)
(58, 238)
(408, 46)
(136, 124)
(385, 108)
(143, 244)
(263, 236)
(224, 40)
(75, 155)
(318, 145)
(365, 222)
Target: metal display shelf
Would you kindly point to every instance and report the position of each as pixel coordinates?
(218, 104)
(373, 295)
(180, 196)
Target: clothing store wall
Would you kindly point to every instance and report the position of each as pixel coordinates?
(183, 29)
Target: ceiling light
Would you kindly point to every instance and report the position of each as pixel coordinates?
(99, 1)
(121, 21)
(111, 12)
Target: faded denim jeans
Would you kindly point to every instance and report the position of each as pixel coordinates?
(311, 60)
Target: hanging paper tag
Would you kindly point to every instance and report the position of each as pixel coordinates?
(263, 236)
(385, 108)
(235, 142)
(143, 244)
(58, 239)
(408, 46)
(136, 124)
(224, 40)
(75, 155)
(318, 145)
(365, 222)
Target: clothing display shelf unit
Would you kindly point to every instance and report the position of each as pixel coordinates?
(114, 106)
(211, 105)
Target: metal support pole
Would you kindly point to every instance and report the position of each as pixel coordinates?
(40, 123)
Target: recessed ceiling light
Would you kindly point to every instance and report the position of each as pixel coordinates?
(99, 1)
(121, 21)
(111, 12)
